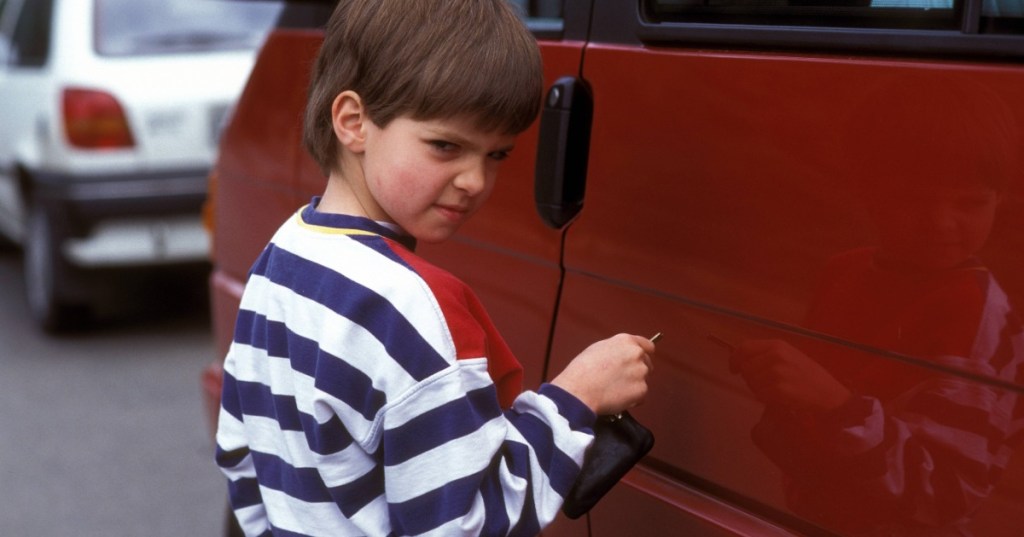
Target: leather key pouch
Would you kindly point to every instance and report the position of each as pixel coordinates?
(619, 443)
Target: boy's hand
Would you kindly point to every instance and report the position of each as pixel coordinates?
(611, 375)
(780, 374)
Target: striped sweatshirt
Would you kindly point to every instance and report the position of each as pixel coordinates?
(366, 392)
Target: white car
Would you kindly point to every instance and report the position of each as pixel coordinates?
(110, 112)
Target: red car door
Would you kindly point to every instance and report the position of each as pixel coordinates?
(754, 171)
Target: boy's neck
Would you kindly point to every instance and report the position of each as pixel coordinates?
(343, 196)
(337, 199)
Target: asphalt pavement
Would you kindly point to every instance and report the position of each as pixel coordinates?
(102, 432)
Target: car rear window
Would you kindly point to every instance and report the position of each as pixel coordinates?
(146, 27)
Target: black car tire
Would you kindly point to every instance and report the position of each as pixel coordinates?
(48, 277)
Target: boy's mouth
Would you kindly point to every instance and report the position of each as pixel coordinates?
(453, 212)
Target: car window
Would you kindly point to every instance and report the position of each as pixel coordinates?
(543, 17)
(1002, 16)
(30, 42)
(997, 16)
(918, 14)
(143, 27)
(5, 32)
(539, 8)
(1003, 8)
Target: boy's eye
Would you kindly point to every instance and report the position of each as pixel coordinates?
(498, 155)
(442, 145)
(973, 202)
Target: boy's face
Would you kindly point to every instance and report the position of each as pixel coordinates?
(429, 177)
(937, 227)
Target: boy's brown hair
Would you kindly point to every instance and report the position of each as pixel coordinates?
(427, 59)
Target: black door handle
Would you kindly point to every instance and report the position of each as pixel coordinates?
(562, 150)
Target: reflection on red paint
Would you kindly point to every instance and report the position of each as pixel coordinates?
(911, 440)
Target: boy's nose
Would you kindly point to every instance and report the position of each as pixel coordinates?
(473, 179)
(941, 216)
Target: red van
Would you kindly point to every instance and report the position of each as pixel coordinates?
(814, 200)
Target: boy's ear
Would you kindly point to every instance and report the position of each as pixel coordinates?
(348, 116)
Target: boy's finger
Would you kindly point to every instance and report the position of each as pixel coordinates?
(734, 363)
(647, 345)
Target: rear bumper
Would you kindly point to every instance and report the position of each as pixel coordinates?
(96, 197)
(140, 241)
(124, 220)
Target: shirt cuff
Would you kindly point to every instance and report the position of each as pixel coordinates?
(578, 414)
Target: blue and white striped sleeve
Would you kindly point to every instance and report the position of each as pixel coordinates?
(456, 464)
(236, 460)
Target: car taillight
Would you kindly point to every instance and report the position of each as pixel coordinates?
(95, 120)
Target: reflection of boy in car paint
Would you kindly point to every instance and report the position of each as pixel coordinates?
(872, 445)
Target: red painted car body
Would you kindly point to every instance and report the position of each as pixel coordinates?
(725, 196)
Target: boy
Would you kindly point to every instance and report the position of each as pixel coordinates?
(366, 391)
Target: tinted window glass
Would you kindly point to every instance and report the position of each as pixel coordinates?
(1003, 16)
(550, 9)
(5, 31)
(543, 17)
(1004, 8)
(140, 27)
(919, 14)
(30, 44)
(997, 16)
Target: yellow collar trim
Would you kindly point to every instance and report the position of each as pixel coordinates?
(330, 230)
